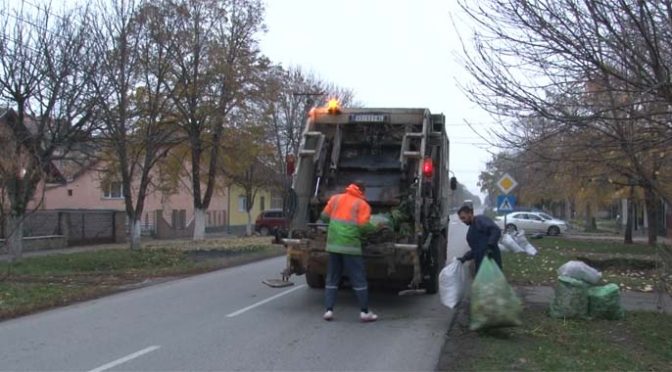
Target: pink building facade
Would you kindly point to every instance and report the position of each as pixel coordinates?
(88, 190)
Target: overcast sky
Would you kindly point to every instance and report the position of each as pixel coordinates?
(392, 54)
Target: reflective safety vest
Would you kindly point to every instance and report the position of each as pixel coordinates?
(348, 215)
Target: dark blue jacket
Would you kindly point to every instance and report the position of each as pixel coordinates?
(483, 235)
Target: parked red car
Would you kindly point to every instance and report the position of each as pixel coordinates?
(271, 220)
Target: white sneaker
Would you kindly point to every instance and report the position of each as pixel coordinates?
(329, 315)
(368, 317)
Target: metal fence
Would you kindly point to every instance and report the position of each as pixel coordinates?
(78, 226)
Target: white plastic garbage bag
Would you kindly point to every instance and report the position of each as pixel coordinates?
(452, 283)
(580, 270)
(502, 248)
(509, 244)
(522, 241)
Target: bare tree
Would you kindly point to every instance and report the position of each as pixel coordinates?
(291, 93)
(139, 127)
(597, 72)
(45, 71)
(217, 69)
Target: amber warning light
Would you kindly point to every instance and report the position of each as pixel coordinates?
(333, 106)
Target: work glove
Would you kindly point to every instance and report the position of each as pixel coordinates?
(491, 250)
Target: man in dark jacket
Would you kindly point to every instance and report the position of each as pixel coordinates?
(482, 236)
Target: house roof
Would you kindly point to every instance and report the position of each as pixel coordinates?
(9, 118)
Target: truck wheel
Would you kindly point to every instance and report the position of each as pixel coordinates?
(314, 280)
(437, 253)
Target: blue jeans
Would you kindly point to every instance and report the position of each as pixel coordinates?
(356, 272)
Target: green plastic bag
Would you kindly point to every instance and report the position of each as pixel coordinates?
(571, 298)
(494, 303)
(605, 302)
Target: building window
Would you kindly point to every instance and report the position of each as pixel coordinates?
(262, 203)
(69, 192)
(113, 190)
(242, 204)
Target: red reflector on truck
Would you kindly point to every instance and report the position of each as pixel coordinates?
(428, 167)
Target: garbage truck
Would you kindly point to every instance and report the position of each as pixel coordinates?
(401, 154)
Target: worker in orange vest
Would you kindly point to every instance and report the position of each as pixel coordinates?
(348, 216)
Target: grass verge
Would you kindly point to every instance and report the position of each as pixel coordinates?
(38, 283)
(639, 342)
(632, 267)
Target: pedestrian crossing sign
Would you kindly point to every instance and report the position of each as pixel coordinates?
(506, 203)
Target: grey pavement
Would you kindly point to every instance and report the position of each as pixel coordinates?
(631, 301)
(97, 247)
(227, 320)
(616, 237)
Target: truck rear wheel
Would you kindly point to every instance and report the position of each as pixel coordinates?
(314, 280)
(435, 263)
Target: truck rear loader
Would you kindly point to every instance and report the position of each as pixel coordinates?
(402, 157)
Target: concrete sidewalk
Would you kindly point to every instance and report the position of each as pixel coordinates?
(83, 248)
(631, 301)
(98, 247)
(641, 239)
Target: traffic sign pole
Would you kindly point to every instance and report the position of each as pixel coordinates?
(506, 184)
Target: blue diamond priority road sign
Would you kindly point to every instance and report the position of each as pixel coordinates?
(505, 203)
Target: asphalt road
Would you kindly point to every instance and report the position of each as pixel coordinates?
(227, 320)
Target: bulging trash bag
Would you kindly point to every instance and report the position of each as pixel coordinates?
(522, 241)
(509, 244)
(571, 298)
(382, 219)
(580, 270)
(494, 303)
(452, 281)
(604, 302)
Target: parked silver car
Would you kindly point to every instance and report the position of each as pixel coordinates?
(532, 222)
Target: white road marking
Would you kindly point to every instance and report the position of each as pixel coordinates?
(235, 313)
(125, 359)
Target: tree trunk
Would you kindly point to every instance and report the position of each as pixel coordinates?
(248, 229)
(651, 215)
(629, 221)
(589, 220)
(199, 224)
(136, 232)
(15, 236)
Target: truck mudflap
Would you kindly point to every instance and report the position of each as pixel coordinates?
(384, 260)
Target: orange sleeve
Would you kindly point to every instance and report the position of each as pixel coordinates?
(363, 213)
(330, 207)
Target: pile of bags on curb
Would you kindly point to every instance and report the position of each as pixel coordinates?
(578, 296)
(494, 303)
